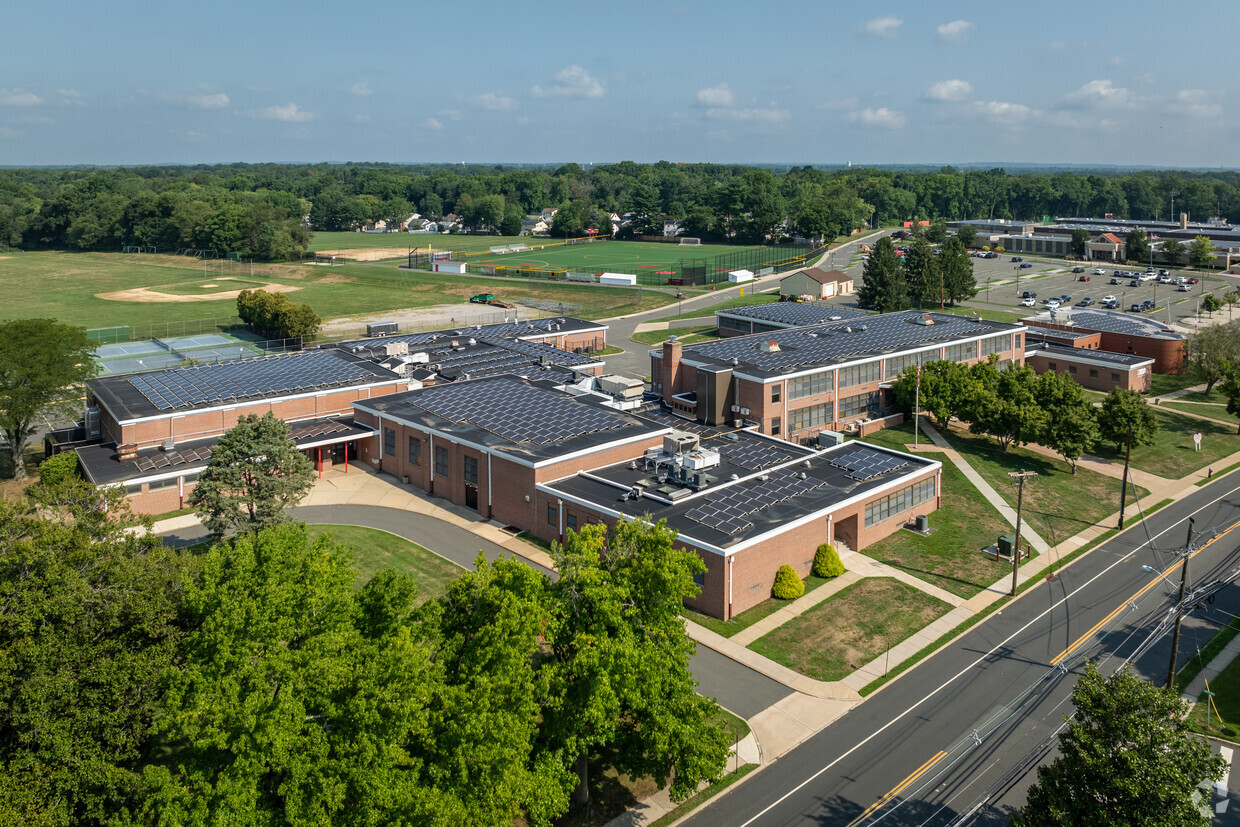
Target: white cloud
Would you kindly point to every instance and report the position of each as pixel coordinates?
(8, 98)
(1196, 103)
(950, 90)
(769, 115)
(571, 82)
(288, 113)
(1100, 93)
(194, 99)
(432, 123)
(495, 102)
(361, 89)
(956, 31)
(5, 132)
(882, 117)
(719, 95)
(1003, 112)
(451, 114)
(882, 27)
(71, 97)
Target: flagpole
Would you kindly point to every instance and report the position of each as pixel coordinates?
(917, 404)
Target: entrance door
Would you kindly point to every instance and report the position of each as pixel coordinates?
(338, 453)
(471, 496)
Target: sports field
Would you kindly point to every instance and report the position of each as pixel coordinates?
(97, 290)
(607, 256)
(469, 243)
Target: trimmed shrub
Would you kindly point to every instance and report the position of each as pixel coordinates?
(827, 562)
(59, 468)
(788, 585)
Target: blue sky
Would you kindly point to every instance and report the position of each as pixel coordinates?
(803, 82)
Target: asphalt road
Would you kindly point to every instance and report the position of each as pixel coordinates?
(961, 735)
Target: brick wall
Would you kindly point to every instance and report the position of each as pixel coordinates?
(1168, 354)
(1094, 377)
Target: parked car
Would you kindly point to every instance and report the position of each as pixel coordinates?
(1028, 294)
(1085, 302)
(1194, 281)
(1116, 280)
(1065, 298)
(1109, 298)
(1136, 307)
(1135, 283)
(1025, 265)
(1050, 304)
(1164, 279)
(1184, 288)
(1148, 304)
(1111, 305)
(1082, 278)
(992, 255)
(1098, 271)
(1164, 272)
(1017, 258)
(1026, 302)
(1151, 270)
(1078, 269)
(1181, 280)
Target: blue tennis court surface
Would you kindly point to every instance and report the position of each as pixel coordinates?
(158, 354)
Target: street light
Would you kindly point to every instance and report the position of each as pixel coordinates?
(1155, 571)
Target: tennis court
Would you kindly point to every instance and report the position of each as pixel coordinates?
(158, 354)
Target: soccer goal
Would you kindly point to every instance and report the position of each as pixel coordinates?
(685, 241)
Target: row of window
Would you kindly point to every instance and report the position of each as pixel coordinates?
(733, 324)
(861, 374)
(961, 353)
(811, 416)
(1093, 372)
(553, 518)
(811, 385)
(902, 500)
(861, 403)
(470, 465)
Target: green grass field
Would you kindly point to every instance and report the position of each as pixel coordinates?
(601, 256)
(469, 243)
(374, 551)
(66, 287)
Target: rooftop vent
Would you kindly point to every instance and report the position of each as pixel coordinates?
(770, 346)
(924, 319)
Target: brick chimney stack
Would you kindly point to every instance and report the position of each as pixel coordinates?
(672, 351)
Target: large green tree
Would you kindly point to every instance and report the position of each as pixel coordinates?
(43, 367)
(1231, 391)
(921, 273)
(1173, 251)
(1121, 409)
(1010, 412)
(1136, 245)
(255, 472)
(947, 387)
(956, 271)
(1212, 352)
(1080, 242)
(1071, 428)
(967, 235)
(1126, 758)
(1201, 252)
(88, 631)
(883, 287)
(619, 675)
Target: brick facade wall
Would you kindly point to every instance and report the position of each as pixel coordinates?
(1168, 354)
(1092, 376)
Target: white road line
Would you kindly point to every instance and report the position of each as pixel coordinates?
(980, 659)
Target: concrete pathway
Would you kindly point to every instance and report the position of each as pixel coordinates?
(1212, 670)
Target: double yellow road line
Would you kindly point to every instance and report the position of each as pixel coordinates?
(899, 788)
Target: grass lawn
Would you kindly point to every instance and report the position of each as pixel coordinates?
(469, 243)
(985, 313)
(749, 617)
(1172, 453)
(68, 284)
(645, 258)
(375, 550)
(1058, 503)
(1214, 411)
(950, 557)
(851, 628)
(1204, 718)
(685, 335)
(1161, 383)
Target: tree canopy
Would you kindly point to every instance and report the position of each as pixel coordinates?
(1201, 251)
(1126, 758)
(1122, 408)
(1212, 352)
(255, 472)
(956, 272)
(43, 366)
(884, 287)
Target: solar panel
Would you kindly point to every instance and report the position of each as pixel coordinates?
(756, 455)
(726, 509)
(145, 464)
(527, 415)
(865, 463)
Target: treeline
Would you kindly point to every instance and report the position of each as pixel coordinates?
(267, 210)
(255, 683)
(273, 316)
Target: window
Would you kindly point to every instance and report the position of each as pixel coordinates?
(1052, 365)
(733, 324)
(415, 451)
(860, 374)
(441, 461)
(570, 520)
(811, 416)
(995, 344)
(699, 580)
(857, 405)
(775, 392)
(897, 364)
(775, 426)
(1093, 373)
(804, 386)
(902, 500)
(1114, 377)
(961, 353)
(389, 441)
(1072, 369)
(167, 482)
(553, 515)
(471, 470)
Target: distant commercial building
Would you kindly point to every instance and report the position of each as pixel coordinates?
(819, 284)
(766, 318)
(1098, 370)
(1119, 333)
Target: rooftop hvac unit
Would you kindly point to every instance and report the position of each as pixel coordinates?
(679, 442)
(91, 422)
(170, 444)
(829, 439)
(382, 328)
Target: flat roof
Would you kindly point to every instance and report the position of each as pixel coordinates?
(731, 514)
(832, 344)
(219, 384)
(103, 466)
(1106, 321)
(472, 357)
(1085, 355)
(1041, 333)
(532, 329)
(791, 314)
(530, 422)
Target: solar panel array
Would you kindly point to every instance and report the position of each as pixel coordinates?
(757, 455)
(796, 313)
(246, 378)
(843, 341)
(527, 414)
(726, 510)
(865, 463)
(171, 459)
(1119, 323)
(507, 330)
(321, 429)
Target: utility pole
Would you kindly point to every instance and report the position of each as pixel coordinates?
(1179, 608)
(1020, 477)
(1123, 492)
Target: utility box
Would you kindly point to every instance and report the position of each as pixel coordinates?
(382, 328)
(923, 523)
(1006, 545)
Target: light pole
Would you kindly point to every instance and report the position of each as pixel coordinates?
(1123, 491)
(1173, 195)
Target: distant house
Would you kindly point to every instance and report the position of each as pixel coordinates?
(672, 228)
(534, 225)
(821, 284)
(548, 214)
